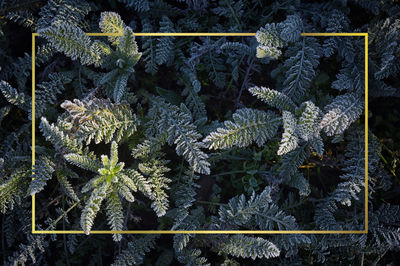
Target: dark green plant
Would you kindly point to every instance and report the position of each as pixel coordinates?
(201, 133)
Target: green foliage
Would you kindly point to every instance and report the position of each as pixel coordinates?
(192, 257)
(62, 177)
(192, 99)
(269, 42)
(111, 22)
(248, 126)
(184, 193)
(291, 28)
(112, 182)
(250, 247)
(100, 120)
(340, 113)
(158, 184)
(303, 59)
(276, 35)
(259, 210)
(210, 52)
(149, 49)
(165, 45)
(47, 92)
(57, 12)
(273, 98)
(28, 251)
(290, 139)
(13, 96)
(354, 176)
(177, 123)
(43, 172)
(138, 5)
(135, 251)
(11, 189)
(59, 137)
(308, 120)
(72, 41)
(121, 61)
(127, 56)
(290, 155)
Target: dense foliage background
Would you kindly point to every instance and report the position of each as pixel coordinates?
(199, 133)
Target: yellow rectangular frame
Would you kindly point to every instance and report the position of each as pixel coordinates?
(365, 231)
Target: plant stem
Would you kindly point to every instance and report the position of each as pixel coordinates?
(234, 14)
(64, 239)
(239, 172)
(245, 81)
(211, 203)
(64, 214)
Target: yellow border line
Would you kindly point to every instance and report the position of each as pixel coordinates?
(335, 34)
(176, 34)
(204, 232)
(365, 231)
(33, 127)
(366, 131)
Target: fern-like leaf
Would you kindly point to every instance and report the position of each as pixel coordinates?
(158, 183)
(269, 42)
(165, 45)
(273, 98)
(83, 162)
(115, 214)
(138, 5)
(250, 247)
(301, 64)
(72, 41)
(92, 207)
(248, 126)
(341, 113)
(100, 119)
(13, 96)
(308, 121)
(135, 251)
(180, 131)
(291, 28)
(43, 172)
(289, 140)
(111, 22)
